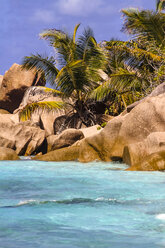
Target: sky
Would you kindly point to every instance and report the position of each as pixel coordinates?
(21, 21)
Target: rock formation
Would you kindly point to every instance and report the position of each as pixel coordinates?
(135, 152)
(153, 162)
(45, 119)
(8, 154)
(24, 138)
(138, 134)
(67, 138)
(13, 86)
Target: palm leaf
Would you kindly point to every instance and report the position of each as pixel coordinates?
(29, 109)
(147, 26)
(50, 90)
(127, 80)
(84, 42)
(75, 32)
(42, 64)
(101, 91)
(62, 43)
(135, 51)
(160, 5)
(70, 77)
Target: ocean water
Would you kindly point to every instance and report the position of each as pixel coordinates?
(74, 205)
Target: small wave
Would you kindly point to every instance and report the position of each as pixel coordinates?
(65, 201)
(160, 216)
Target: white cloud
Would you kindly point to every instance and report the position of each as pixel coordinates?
(46, 16)
(82, 7)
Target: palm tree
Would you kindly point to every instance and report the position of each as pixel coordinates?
(160, 5)
(79, 61)
(137, 65)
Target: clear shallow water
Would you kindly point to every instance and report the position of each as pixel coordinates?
(73, 205)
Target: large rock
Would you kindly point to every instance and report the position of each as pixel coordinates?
(103, 119)
(95, 147)
(45, 119)
(70, 153)
(160, 89)
(67, 138)
(153, 162)
(25, 138)
(38, 94)
(8, 154)
(99, 146)
(133, 127)
(134, 153)
(3, 111)
(90, 131)
(14, 84)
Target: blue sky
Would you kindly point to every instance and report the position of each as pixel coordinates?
(22, 20)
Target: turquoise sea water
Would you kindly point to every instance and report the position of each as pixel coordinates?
(73, 205)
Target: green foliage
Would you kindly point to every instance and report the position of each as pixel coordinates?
(27, 111)
(50, 90)
(79, 61)
(136, 66)
(98, 128)
(160, 5)
(103, 124)
(146, 26)
(43, 65)
(133, 67)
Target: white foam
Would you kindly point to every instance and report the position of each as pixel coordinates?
(160, 216)
(26, 202)
(33, 202)
(100, 199)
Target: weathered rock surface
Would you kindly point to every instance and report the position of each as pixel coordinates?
(153, 162)
(100, 146)
(134, 127)
(14, 83)
(136, 152)
(38, 94)
(26, 139)
(160, 89)
(67, 138)
(83, 147)
(3, 111)
(43, 118)
(70, 153)
(8, 154)
(102, 118)
(90, 131)
(142, 131)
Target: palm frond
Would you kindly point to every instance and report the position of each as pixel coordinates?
(160, 5)
(68, 76)
(29, 109)
(85, 42)
(62, 43)
(126, 80)
(50, 90)
(101, 91)
(42, 64)
(53, 36)
(145, 25)
(75, 32)
(131, 48)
